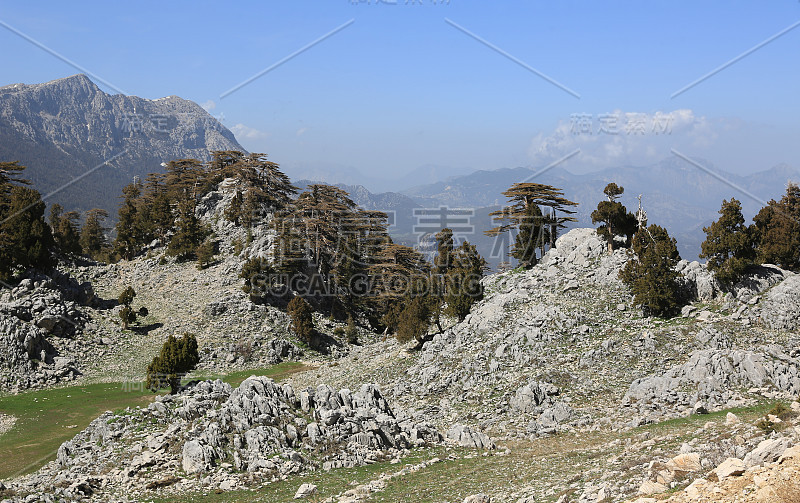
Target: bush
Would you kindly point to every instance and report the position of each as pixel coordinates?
(143, 312)
(177, 358)
(338, 332)
(781, 411)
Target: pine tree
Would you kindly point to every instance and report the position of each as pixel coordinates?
(205, 254)
(302, 320)
(25, 238)
(155, 216)
(177, 358)
(615, 217)
(257, 274)
(414, 319)
(651, 274)
(729, 245)
(351, 333)
(233, 212)
(93, 239)
(130, 237)
(127, 315)
(126, 297)
(777, 228)
(65, 229)
(464, 286)
(444, 252)
(189, 234)
(524, 213)
(530, 237)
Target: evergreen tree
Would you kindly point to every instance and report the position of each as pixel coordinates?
(126, 297)
(127, 315)
(651, 274)
(257, 274)
(130, 237)
(25, 238)
(464, 286)
(444, 252)
(414, 319)
(524, 213)
(777, 228)
(729, 245)
(205, 254)
(233, 212)
(177, 358)
(155, 213)
(66, 234)
(93, 239)
(302, 320)
(615, 217)
(530, 237)
(189, 234)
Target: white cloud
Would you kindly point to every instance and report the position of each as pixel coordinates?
(209, 105)
(620, 138)
(245, 132)
(301, 131)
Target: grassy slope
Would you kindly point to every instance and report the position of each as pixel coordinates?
(47, 418)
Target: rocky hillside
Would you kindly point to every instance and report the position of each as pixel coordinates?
(577, 396)
(68, 127)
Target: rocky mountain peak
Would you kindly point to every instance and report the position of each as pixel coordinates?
(67, 127)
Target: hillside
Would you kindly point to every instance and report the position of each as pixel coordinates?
(576, 396)
(66, 129)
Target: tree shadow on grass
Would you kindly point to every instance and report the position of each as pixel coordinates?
(146, 329)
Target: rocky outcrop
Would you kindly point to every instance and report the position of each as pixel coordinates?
(713, 376)
(261, 429)
(780, 308)
(38, 308)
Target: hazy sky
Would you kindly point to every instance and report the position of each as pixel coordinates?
(460, 84)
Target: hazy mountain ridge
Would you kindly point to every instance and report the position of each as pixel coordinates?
(67, 127)
(675, 194)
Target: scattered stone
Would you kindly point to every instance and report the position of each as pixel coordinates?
(304, 491)
(731, 467)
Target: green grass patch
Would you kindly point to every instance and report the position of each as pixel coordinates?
(278, 372)
(47, 418)
(749, 413)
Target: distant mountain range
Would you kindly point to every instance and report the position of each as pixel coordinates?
(65, 130)
(675, 194)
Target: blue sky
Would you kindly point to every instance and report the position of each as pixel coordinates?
(401, 88)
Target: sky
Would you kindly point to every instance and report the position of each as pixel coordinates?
(374, 90)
